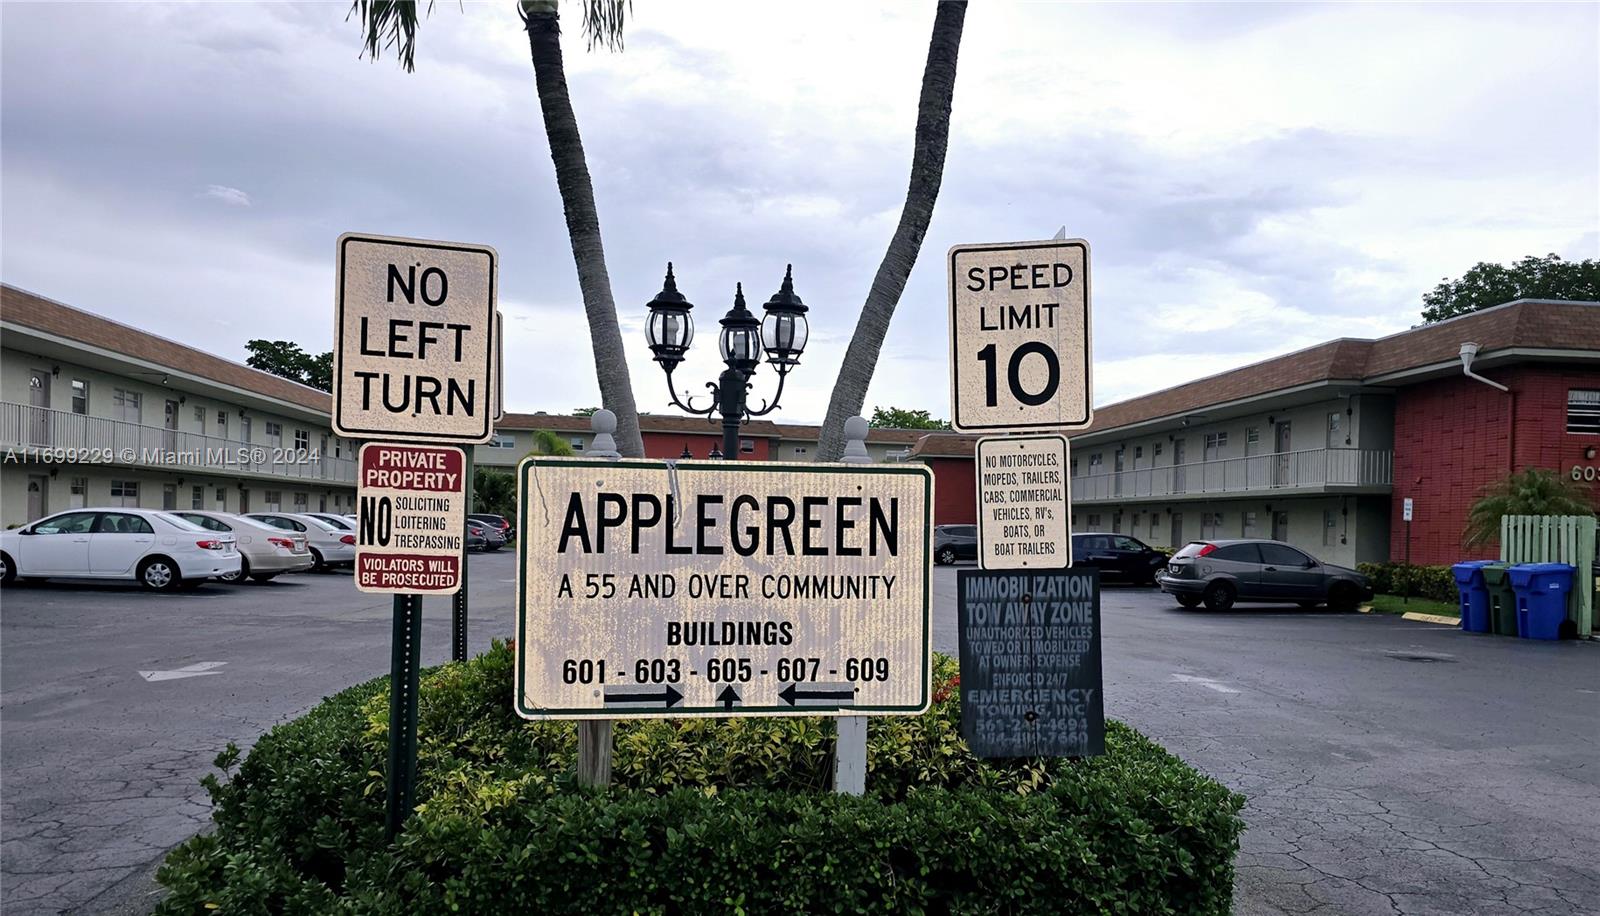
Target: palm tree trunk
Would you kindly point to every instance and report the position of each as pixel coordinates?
(927, 171)
(583, 224)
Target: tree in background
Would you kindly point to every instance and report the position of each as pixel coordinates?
(546, 442)
(927, 173)
(1488, 284)
(494, 491)
(393, 23)
(285, 358)
(584, 411)
(899, 418)
(1534, 491)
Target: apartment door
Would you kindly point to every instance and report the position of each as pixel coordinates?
(38, 496)
(1117, 465)
(1177, 530)
(1280, 526)
(244, 500)
(1282, 472)
(169, 438)
(169, 496)
(1179, 483)
(39, 400)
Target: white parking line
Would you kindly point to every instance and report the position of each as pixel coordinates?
(1218, 686)
(199, 669)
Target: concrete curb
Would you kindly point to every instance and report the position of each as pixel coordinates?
(1431, 618)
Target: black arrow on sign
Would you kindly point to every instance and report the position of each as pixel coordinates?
(792, 693)
(669, 697)
(728, 697)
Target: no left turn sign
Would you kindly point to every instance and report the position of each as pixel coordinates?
(1019, 336)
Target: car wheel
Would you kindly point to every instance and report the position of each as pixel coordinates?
(946, 556)
(264, 577)
(1218, 596)
(244, 571)
(1190, 601)
(1342, 597)
(159, 574)
(317, 564)
(8, 569)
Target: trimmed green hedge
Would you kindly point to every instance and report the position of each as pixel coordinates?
(706, 816)
(1434, 582)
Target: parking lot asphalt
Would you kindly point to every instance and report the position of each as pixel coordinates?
(1391, 766)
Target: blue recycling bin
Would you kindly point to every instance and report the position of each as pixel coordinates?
(1541, 590)
(1474, 595)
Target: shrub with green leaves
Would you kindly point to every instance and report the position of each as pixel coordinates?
(705, 815)
(1434, 582)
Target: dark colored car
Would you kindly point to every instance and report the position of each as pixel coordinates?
(1118, 556)
(954, 542)
(477, 536)
(1219, 573)
(498, 522)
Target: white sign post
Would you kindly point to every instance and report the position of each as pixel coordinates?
(718, 589)
(1024, 506)
(415, 340)
(1019, 336)
(1405, 509)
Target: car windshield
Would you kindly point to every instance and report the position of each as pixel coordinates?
(325, 526)
(1191, 549)
(182, 524)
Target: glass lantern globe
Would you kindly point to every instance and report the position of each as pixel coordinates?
(784, 330)
(741, 336)
(670, 329)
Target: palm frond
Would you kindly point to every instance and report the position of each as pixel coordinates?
(1532, 492)
(602, 22)
(389, 24)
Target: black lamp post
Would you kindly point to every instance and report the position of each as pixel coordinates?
(781, 334)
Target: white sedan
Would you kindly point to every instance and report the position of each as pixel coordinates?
(158, 549)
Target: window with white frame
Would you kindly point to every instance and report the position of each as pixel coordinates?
(577, 443)
(747, 446)
(80, 396)
(78, 493)
(1210, 522)
(197, 498)
(1335, 427)
(125, 493)
(200, 416)
(1247, 525)
(1583, 411)
(1095, 461)
(244, 428)
(125, 404)
(1214, 444)
(302, 440)
(275, 434)
(1094, 519)
(799, 450)
(273, 500)
(300, 502)
(1155, 451)
(222, 424)
(501, 440)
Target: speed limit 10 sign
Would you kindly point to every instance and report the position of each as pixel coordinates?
(1019, 336)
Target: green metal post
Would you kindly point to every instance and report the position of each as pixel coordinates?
(405, 654)
(458, 602)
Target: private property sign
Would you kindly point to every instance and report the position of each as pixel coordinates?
(411, 518)
(1019, 336)
(721, 589)
(415, 340)
(1023, 503)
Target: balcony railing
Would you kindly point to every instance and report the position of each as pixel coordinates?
(80, 439)
(1316, 468)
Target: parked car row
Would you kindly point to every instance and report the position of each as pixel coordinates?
(1117, 556)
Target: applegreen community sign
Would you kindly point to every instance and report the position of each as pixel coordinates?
(720, 589)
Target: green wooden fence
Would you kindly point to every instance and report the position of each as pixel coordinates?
(1556, 539)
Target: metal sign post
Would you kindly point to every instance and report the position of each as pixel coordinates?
(405, 653)
(850, 743)
(458, 602)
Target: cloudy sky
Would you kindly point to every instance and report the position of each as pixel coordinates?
(1251, 178)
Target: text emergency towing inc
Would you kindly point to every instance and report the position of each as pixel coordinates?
(648, 588)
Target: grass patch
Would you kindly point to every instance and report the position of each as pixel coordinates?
(1395, 604)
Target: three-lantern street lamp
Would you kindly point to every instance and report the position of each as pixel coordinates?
(781, 334)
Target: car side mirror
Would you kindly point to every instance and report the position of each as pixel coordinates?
(27, 530)
(1309, 564)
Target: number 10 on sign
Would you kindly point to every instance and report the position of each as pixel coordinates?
(1019, 336)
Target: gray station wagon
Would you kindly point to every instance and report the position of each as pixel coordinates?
(1218, 573)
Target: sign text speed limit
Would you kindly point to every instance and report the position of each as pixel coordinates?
(1019, 336)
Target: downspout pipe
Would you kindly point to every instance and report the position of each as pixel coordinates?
(1469, 351)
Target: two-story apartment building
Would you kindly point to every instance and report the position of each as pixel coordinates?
(1320, 447)
(95, 413)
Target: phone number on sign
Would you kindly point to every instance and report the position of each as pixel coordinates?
(208, 457)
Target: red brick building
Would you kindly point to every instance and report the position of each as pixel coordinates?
(1321, 446)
